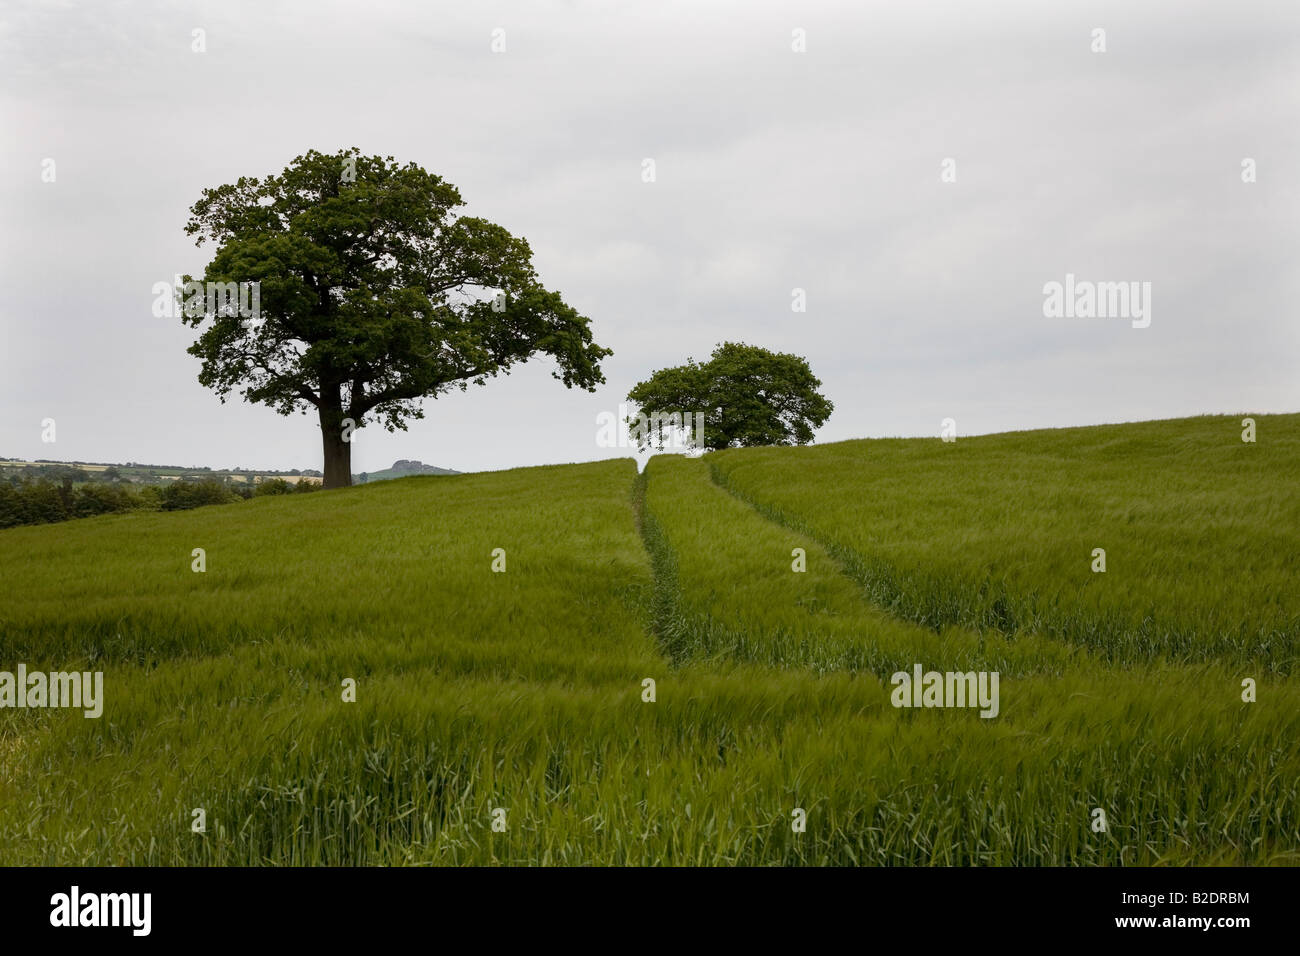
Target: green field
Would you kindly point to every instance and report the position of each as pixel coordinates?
(522, 690)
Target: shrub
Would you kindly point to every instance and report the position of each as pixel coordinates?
(182, 495)
(272, 486)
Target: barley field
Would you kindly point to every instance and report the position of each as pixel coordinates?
(506, 716)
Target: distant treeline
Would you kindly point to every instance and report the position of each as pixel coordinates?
(133, 472)
(42, 500)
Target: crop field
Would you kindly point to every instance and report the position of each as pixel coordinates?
(694, 665)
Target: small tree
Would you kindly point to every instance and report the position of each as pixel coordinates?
(372, 294)
(748, 396)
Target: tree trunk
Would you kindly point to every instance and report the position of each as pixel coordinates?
(338, 452)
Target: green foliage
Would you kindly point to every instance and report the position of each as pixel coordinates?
(41, 501)
(374, 294)
(748, 396)
(272, 486)
(740, 599)
(182, 495)
(522, 690)
(278, 486)
(33, 502)
(997, 532)
(101, 499)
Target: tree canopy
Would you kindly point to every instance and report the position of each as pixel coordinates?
(747, 395)
(374, 293)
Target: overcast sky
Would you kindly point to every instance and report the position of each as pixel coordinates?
(775, 170)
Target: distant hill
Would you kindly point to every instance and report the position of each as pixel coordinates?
(401, 469)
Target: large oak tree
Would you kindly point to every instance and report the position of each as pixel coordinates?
(374, 294)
